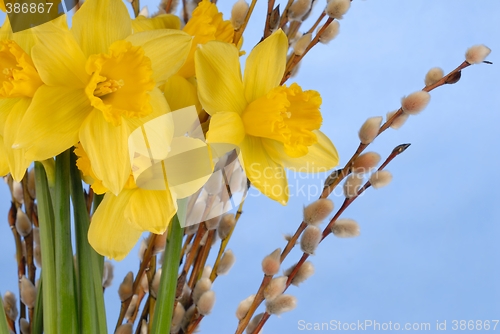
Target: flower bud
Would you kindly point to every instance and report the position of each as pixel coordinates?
(185, 296)
(310, 239)
(24, 326)
(10, 305)
(214, 184)
(28, 292)
(107, 274)
(345, 228)
(398, 121)
(329, 33)
(206, 272)
(155, 284)
(195, 216)
(202, 286)
(352, 185)
(238, 13)
(124, 329)
(271, 263)
(317, 211)
(244, 306)
(252, 325)
(415, 102)
(37, 254)
(281, 304)
(206, 302)
(337, 8)
(301, 45)
(365, 163)
(179, 313)
(226, 224)
(142, 249)
(369, 129)
(17, 192)
(298, 9)
(477, 53)
(131, 308)
(305, 271)
(144, 327)
(125, 289)
(187, 317)
(226, 262)
(380, 179)
(144, 284)
(159, 243)
(434, 75)
(31, 183)
(36, 236)
(23, 224)
(212, 223)
(275, 288)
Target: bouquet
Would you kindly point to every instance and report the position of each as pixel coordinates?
(192, 138)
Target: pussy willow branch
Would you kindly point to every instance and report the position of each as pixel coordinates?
(238, 33)
(336, 178)
(284, 16)
(328, 229)
(148, 253)
(318, 21)
(267, 25)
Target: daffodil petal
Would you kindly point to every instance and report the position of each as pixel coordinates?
(17, 162)
(107, 148)
(97, 24)
(151, 210)
(322, 156)
(181, 93)
(52, 121)
(158, 105)
(265, 66)
(167, 49)
(165, 21)
(109, 233)
(5, 106)
(226, 127)
(219, 78)
(264, 173)
(58, 58)
(4, 162)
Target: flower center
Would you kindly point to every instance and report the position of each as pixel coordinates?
(19, 77)
(288, 115)
(120, 82)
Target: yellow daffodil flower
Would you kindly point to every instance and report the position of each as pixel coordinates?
(100, 83)
(274, 126)
(206, 24)
(19, 81)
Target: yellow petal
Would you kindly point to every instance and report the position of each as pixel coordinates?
(5, 106)
(57, 57)
(321, 157)
(4, 162)
(151, 210)
(52, 121)
(164, 21)
(17, 162)
(109, 233)
(219, 78)
(264, 173)
(181, 93)
(226, 127)
(99, 23)
(107, 148)
(167, 49)
(265, 66)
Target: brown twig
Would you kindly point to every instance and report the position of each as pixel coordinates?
(267, 25)
(238, 33)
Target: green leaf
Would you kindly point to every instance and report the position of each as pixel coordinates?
(4, 328)
(46, 225)
(89, 263)
(67, 321)
(164, 308)
(37, 323)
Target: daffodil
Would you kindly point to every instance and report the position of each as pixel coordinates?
(206, 24)
(19, 81)
(149, 200)
(274, 126)
(100, 83)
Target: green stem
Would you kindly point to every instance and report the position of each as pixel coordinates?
(66, 297)
(89, 271)
(37, 323)
(164, 308)
(46, 224)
